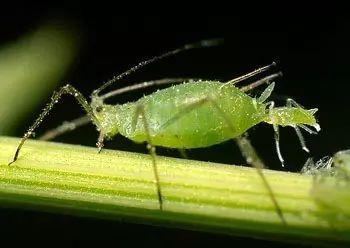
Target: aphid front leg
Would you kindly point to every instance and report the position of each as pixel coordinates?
(277, 143)
(100, 142)
(140, 112)
(271, 105)
(68, 89)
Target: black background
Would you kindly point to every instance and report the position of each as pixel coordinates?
(312, 52)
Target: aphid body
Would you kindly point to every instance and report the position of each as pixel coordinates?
(201, 126)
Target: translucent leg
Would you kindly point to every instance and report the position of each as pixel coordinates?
(68, 89)
(292, 103)
(140, 112)
(66, 127)
(252, 158)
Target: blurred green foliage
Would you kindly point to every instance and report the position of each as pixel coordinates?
(31, 67)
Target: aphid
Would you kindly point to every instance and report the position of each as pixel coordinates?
(188, 115)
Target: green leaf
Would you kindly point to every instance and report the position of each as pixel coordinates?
(197, 195)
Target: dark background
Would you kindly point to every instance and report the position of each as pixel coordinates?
(312, 52)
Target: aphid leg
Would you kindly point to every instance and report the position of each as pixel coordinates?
(271, 105)
(68, 89)
(301, 139)
(277, 143)
(252, 158)
(65, 127)
(183, 153)
(244, 144)
(249, 152)
(140, 112)
(292, 103)
(99, 142)
(262, 81)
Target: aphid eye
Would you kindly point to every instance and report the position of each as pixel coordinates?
(99, 109)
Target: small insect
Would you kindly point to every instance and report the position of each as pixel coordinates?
(336, 165)
(192, 114)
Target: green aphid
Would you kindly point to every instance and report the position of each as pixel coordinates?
(193, 114)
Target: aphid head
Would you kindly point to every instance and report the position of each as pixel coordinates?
(106, 116)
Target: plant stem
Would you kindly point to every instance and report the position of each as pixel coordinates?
(196, 195)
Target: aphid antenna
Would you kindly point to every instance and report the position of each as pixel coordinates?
(201, 44)
(145, 84)
(250, 74)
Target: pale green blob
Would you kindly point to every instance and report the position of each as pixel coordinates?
(30, 67)
(342, 161)
(331, 189)
(173, 124)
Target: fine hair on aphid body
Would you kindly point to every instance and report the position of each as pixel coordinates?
(191, 114)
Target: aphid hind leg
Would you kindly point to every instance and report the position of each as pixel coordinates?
(252, 158)
(65, 127)
(183, 153)
(140, 112)
(68, 89)
(244, 144)
(249, 152)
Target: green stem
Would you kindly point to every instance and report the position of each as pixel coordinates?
(197, 195)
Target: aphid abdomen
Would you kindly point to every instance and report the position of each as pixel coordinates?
(201, 126)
